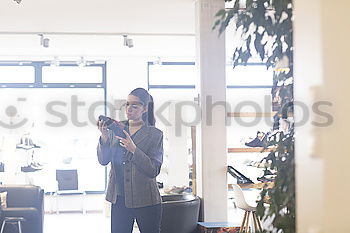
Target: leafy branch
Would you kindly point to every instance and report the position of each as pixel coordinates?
(265, 29)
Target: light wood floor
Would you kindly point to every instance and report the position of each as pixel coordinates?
(78, 222)
(99, 223)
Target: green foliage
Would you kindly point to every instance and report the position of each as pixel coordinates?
(266, 30)
(260, 22)
(282, 195)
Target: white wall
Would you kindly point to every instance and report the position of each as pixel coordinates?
(321, 59)
(116, 16)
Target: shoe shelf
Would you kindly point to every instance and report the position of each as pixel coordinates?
(254, 186)
(251, 114)
(255, 114)
(250, 150)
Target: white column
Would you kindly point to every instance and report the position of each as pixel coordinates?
(308, 73)
(178, 169)
(211, 144)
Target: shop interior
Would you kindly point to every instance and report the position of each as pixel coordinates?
(63, 64)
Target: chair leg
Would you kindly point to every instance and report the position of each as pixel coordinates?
(247, 222)
(259, 224)
(243, 222)
(83, 203)
(57, 211)
(19, 227)
(3, 226)
(255, 222)
(258, 221)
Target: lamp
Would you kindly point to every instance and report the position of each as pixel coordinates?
(45, 42)
(128, 41)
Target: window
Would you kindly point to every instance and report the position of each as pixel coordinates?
(249, 75)
(16, 74)
(171, 75)
(60, 115)
(72, 74)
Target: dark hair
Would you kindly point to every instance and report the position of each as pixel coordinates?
(147, 100)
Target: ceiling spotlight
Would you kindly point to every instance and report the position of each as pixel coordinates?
(128, 41)
(82, 62)
(157, 61)
(18, 1)
(45, 42)
(55, 62)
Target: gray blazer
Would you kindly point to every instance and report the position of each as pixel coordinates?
(141, 168)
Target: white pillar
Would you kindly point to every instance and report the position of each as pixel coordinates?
(211, 144)
(178, 169)
(308, 73)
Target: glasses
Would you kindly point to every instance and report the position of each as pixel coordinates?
(133, 105)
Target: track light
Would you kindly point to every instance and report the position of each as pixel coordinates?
(55, 62)
(157, 61)
(82, 62)
(18, 1)
(128, 41)
(45, 42)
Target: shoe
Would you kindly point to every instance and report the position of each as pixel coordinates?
(37, 165)
(268, 176)
(259, 141)
(266, 179)
(26, 143)
(30, 168)
(177, 190)
(241, 179)
(188, 190)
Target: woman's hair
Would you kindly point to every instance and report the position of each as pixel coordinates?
(147, 100)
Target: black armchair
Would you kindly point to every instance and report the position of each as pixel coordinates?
(180, 213)
(25, 201)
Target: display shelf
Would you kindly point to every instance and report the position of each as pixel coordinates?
(250, 149)
(251, 114)
(254, 186)
(255, 114)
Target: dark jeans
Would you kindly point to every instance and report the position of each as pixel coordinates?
(148, 218)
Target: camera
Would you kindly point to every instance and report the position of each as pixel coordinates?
(113, 125)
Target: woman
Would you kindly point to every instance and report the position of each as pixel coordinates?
(135, 160)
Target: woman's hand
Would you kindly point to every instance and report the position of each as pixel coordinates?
(104, 131)
(127, 142)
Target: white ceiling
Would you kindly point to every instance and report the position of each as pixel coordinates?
(99, 16)
(19, 47)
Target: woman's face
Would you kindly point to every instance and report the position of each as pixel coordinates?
(134, 108)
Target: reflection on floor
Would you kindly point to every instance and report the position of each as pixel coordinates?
(98, 222)
(235, 215)
(78, 222)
